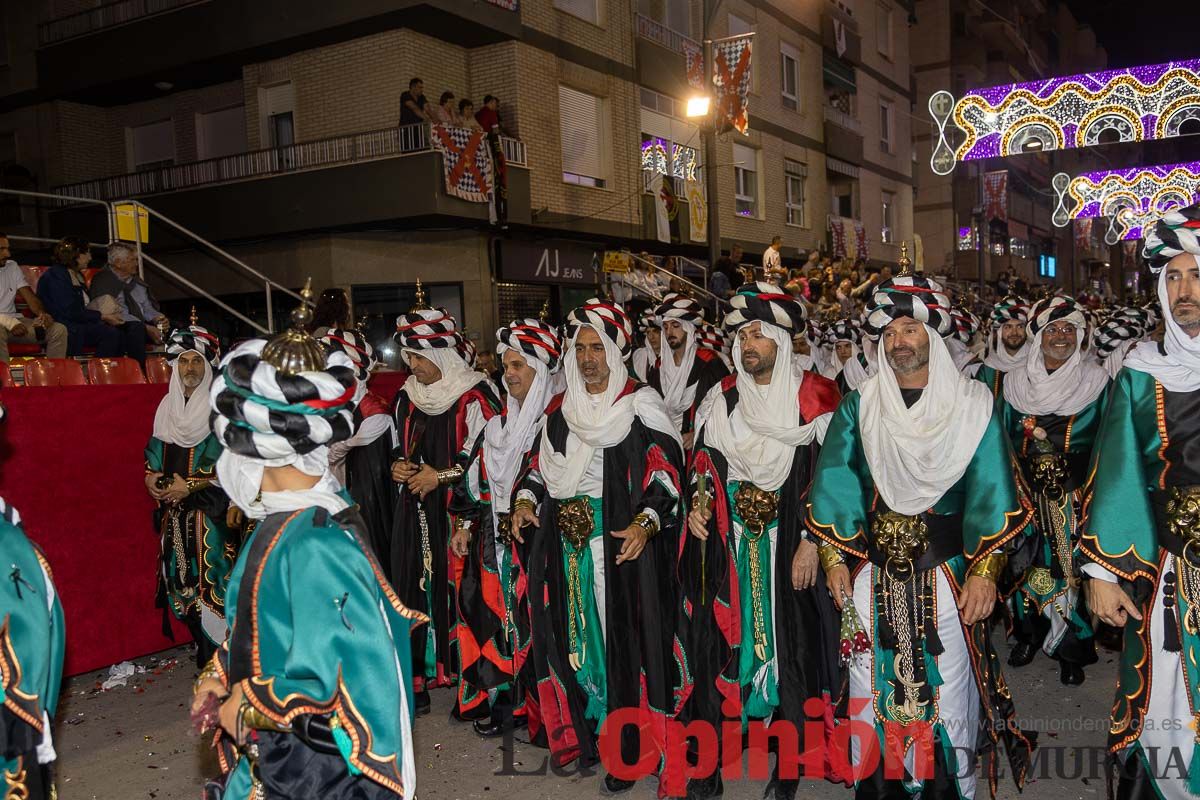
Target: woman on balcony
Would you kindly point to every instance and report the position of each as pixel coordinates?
(63, 291)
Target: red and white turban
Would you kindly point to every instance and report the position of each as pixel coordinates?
(532, 338)
(679, 307)
(428, 329)
(765, 302)
(1053, 309)
(607, 317)
(909, 296)
(354, 345)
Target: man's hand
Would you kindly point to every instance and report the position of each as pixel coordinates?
(520, 518)
(19, 329)
(230, 710)
(804, 565)
(689, 439)
(837, 579)
(234, 517)
(116, 320)
(635, 537)
(43, 320)
(151, 478)
(1111, 603)
(697, 521)
(154, 334)
(977, 599)
(176, 491)
(403, 470)
(423, 481)
(203, 689)
(460, 542)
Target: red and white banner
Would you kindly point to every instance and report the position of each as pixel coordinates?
(731, 80)
(837, 231)
(995, 195)
(1083, 234)
(694, 58)
(466, 162)
(1129, 254)
(860, 241)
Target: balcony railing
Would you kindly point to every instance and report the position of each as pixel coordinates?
(105, 16)
(661, 34)
(843, 120)
(323, 153)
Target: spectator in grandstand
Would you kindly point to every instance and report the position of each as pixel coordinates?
(139, 312)
(443, 113)
(414, 104)
(466, 115)
(13, 327)
(332, 313)
(63, 292)
(488, 117)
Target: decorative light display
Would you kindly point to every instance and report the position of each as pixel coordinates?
(1150, 102)
(682, 161)
(1130, 198)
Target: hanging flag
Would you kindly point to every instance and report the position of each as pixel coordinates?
(694, 58)
(698, 211)
(837, 230)
(1083, 234)
(995, 195)
(1129, 254)
(665, 207)
(839, 36)
(860, 241)
(466, 162)
(731, 81)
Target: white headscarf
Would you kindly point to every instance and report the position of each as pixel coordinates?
(678, 395)
(241, 478)
(1115, 361)
(1178, 370)
(593, 427)
(759, 439)
(856, 374)
(507, 438)
(916, 454)
(181, 420)
(959, 353)
(999, 359)
(1068, 390)
(457, 378)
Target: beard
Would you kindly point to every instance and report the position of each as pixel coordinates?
(1014, 343)
(905, 361)
(191, 381)
(1186, 312)
(757, 364)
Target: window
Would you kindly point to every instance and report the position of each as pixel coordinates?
(581, 121)
(661, 103)
(1047, 265)
(888, 234)
(883, 29)
(221, 133)
(789, 79)
(740, 27)
(745, 178)
(885, 125)
(151, 146)
(584, 9)
(794, 172)
(277, 111)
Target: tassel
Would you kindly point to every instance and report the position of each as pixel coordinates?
(932, 674)
(344, 745)
(1171, 642)
(1194, 771)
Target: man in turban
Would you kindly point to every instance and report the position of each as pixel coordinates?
(805, 349)
(645, 356)
(1140, 529)
(1007, 343)
(312, 690)
(598, 508)
(961, 341)
(915, 500)
(1116, 335)
(685, 371)
(711, 337)
(196, 546)
(494, 642)
(32, 644)
(1051, 408)
(757, 437)
(439, 412)
(361, 463)
(847, 366)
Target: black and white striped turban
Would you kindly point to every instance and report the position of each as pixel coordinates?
(966, 324)
(533, 339)
(909, 296)
(264, 414)
(1115, 330)
(765, 302)
(1010, 309)
(647, 319)
(193, 338)
(467, 351)
(1144, 318)
(1056, 308)
(710, 336)
(428, 329)
(354, 345)
(1178, 232)
(679, 307)
(844, 330)
(607, 317)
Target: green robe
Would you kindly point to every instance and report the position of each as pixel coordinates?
(324, 635)
(993, 379)
(32, 638)
(842, 502)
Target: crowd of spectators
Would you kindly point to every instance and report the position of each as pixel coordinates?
(415, 109)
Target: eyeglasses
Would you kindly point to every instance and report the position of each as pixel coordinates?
(1060, 330)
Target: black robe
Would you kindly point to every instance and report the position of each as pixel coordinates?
(707, 371)
(369, 481)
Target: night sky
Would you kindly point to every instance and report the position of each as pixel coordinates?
(1147, 32)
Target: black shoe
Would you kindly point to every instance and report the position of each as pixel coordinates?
(779, 789)
(479, 712)
(1070, 673)
(491, 727)
(610, 785)
(706, 788)
(421, 703)
(1022, 654)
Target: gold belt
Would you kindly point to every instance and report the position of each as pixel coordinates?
(575, 522)
(902, 539)
(758, 509)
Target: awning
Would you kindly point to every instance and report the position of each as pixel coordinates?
(841, 167)
(839, 74)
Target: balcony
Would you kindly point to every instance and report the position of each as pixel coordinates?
(375, 176)
(843, 136)
(839, 32)
(108, 15)
(662, 57)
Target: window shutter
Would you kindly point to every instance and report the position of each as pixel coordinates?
(745, 157)
(154, 143)
(584, 9)
(581, 130)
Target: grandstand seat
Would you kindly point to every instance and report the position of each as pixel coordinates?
(158, 370)
(53, 372)
(6, 379)
(114, 372)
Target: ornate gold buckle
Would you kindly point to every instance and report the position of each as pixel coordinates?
(757, 508)
(504, 529)
(902, 539)
(1049, 472)
(575, 522)
(1183, 518)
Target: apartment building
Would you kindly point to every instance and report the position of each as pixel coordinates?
(270, 128)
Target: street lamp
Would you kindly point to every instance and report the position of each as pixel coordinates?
(699, 109)
(698, 106)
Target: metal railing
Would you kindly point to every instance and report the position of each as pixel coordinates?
(842, 120)
(105, 16)
(660, 34)
(319, 154)
(694, 289)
